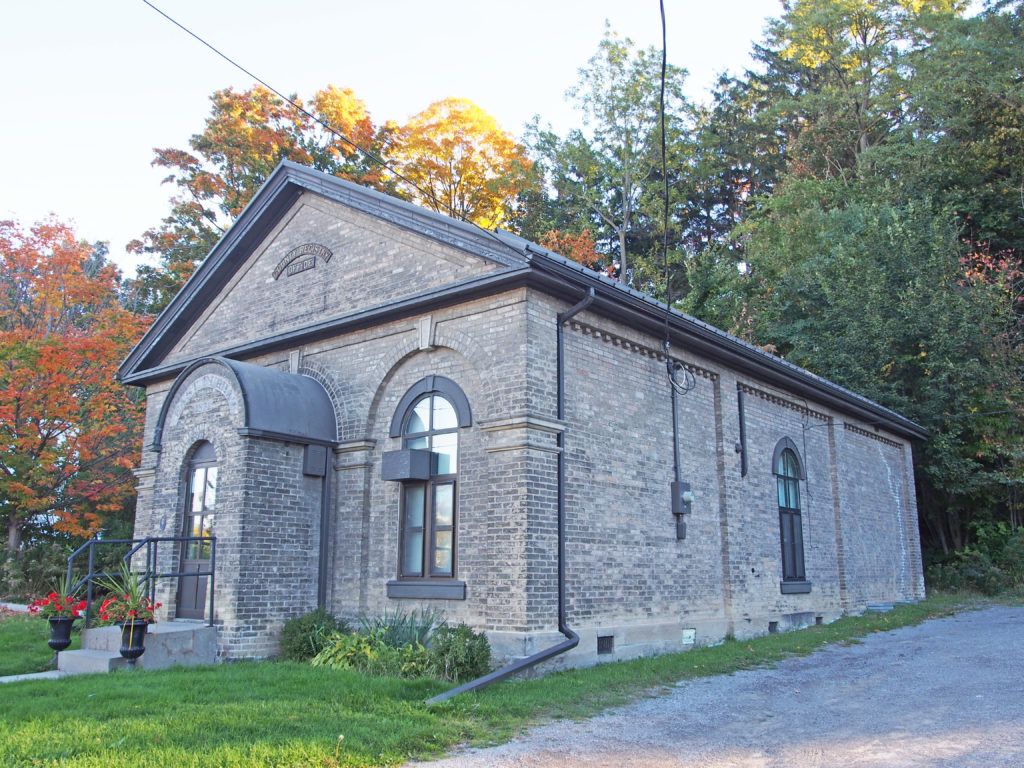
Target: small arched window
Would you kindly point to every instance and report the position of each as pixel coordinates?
(788, 472)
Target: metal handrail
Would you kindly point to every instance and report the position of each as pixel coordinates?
(149, 574)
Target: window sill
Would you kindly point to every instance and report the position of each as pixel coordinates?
(427, 590)
(795, 587)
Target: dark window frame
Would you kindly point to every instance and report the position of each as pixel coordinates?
(427, 582)
(204, 457)
(789, 471)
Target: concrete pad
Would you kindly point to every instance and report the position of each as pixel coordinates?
(51, 675)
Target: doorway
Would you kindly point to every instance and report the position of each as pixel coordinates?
(200, 506)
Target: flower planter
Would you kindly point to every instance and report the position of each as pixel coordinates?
(133, 636)
(60, 632)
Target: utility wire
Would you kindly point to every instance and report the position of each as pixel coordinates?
(380, 161)
(689, 380)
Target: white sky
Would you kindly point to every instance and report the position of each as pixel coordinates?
(92, 86)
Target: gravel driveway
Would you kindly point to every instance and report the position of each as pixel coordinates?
(948, 692)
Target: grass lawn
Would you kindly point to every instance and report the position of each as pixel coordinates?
(267, 714)
(23, 647)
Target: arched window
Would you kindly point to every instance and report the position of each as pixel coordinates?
(788, 473)
(428, 507)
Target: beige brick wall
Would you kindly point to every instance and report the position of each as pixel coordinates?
(628, 577)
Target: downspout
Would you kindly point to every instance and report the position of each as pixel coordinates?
(571, 638)
(325, 524)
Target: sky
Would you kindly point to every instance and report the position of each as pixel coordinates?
(93, 86)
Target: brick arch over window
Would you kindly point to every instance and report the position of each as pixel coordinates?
(335, 392)
(375, 389)
(787, 444)
(432, 385)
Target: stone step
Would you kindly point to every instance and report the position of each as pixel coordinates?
(168, 644)
(88, 661)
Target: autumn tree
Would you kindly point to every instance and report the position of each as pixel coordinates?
(246, 135)
(461, 162)
(67, 428)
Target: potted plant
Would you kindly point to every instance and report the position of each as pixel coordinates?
(130, 608)
(61, 609)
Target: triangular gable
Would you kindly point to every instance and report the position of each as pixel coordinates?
(381, 251)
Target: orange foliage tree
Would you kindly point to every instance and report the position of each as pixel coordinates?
(581, 248)
(67, 428)
(246, 135)
(462, 161)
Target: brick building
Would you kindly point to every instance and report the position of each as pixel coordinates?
(374, 407)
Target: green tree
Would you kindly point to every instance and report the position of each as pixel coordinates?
(604, 179)
(842, 62)
(879, 296)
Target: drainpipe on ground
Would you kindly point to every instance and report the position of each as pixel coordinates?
(571, 638)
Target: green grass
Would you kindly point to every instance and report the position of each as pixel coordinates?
(291, 715)
(23, 647)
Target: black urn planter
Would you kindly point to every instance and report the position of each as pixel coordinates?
(60, 632)
(133, 636)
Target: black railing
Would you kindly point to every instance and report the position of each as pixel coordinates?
(149, 575)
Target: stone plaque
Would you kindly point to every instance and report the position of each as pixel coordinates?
(301, 259)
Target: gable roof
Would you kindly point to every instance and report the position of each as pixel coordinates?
(519, 262)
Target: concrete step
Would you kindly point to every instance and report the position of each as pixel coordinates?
(168, 643)
(87, 661)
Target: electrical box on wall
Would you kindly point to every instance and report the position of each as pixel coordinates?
(314, 461)
(682, 504)
(682, 498)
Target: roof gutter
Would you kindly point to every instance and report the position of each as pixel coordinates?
(571, 638)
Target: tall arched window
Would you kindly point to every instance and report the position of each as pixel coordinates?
(788, 473)
(428, 508)
(428, 420)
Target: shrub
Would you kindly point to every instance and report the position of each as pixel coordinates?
(31, 571)
(459, 653)
(370, 654)
(400, 629)
(992, 565)
(970, 570)
(304, 637)
(1010, 558)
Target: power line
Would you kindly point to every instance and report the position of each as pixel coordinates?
(370, 155)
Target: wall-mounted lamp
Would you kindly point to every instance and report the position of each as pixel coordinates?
(682, 504)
